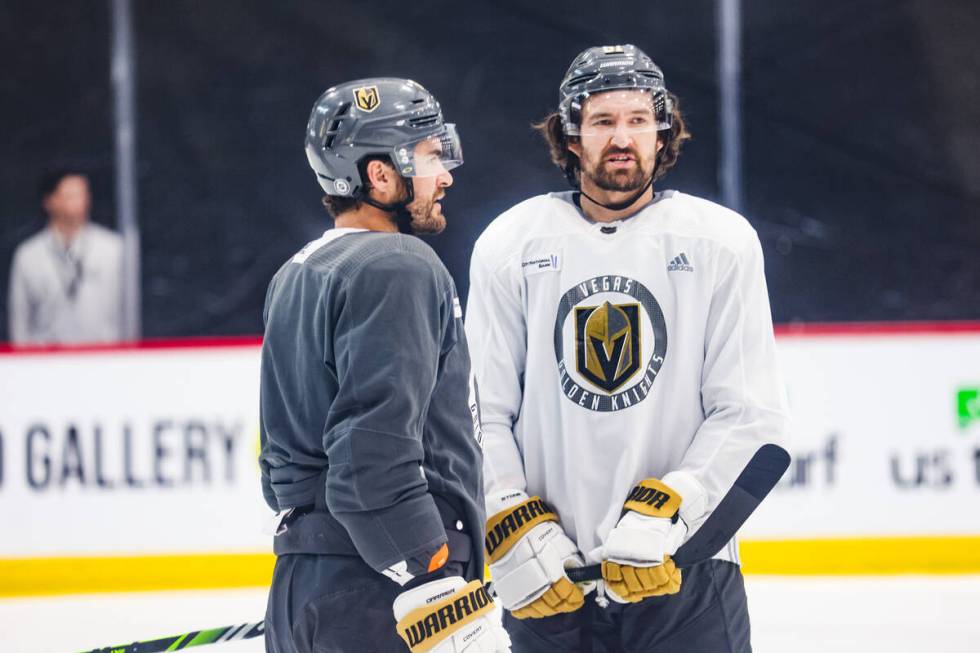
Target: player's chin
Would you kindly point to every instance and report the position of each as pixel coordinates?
(620, 183)
(625, 180)
(434, 223)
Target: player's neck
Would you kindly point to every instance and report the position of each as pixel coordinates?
(598, 213)
(367, 217)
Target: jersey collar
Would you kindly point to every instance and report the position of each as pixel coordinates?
(570, 198)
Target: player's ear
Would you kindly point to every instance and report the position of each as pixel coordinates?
(575, 147)
(384, 181)
(379, 174)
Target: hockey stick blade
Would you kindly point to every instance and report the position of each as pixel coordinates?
(187, 640)
(758, 478)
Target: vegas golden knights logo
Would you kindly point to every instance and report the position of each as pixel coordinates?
(607, 340)
(367, 98)
(619, 347)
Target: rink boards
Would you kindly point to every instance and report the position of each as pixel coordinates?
(135, 468)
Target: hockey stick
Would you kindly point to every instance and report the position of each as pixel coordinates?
(751, 487)
(755, 482)
(187, 640)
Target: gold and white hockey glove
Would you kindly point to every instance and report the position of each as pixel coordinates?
(449, 615)
(636, 555)
(528, 553)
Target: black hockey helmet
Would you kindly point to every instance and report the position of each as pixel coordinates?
(608, 68)
(376, 116)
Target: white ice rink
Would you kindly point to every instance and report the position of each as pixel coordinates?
(790, 615)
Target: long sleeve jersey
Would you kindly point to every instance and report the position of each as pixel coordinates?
(365, 398)
(607, 353)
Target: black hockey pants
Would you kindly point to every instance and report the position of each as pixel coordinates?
(332, 604)
(709, 615)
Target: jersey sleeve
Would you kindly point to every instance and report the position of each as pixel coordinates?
(497, 335)
(743, 396)
(387, 342)
(268, 494)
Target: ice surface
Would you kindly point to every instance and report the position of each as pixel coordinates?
(83, 622)
(907, 614)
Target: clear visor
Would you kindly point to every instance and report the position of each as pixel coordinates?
(633, 111)
(431, 155)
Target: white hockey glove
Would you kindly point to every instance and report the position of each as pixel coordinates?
(636, 555)
(528, 553)
(449, 615)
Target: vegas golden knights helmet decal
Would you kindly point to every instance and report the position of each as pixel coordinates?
(366, 98)
(614, 329)
(607, 340)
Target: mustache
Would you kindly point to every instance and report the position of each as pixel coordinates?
(614, 151)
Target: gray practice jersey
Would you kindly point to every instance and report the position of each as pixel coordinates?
(366, 401)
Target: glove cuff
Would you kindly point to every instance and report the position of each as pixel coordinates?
(423, 594)
(507, 527)
(694, 498)
(456, 602)
(653, 498)
(503, 499)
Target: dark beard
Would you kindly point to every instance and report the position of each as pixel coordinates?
(619, 180)
(423, 221)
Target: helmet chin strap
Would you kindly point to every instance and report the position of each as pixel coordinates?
(403, 218)
(625, 204)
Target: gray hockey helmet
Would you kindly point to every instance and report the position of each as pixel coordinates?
(377, 116)
(608, 68)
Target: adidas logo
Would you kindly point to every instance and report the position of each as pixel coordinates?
(680, 263)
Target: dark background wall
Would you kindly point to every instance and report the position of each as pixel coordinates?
(862, 123)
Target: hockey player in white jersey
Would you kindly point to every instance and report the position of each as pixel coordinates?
(623, 345)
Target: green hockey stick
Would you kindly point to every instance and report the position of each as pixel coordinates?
(187, 640)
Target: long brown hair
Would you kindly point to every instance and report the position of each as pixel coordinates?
(551, 130)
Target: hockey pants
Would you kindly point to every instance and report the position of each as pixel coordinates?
(332, 604)
(708, 615)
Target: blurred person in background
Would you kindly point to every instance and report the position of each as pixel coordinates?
(624, 350)
(370, 437)
(65, 281)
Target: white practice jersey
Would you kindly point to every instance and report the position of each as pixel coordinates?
(609, 353)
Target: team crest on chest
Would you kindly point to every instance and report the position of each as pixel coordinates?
(610, 342)
(607, 338)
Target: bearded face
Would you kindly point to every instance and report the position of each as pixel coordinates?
(619, 141)
(426, 211)
(432, 178)
(619, 169)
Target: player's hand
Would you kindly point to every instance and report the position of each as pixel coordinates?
(636, 555)
(629, 583)
(528, 554)
(449, 615)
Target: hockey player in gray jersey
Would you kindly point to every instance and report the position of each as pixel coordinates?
(370, 435)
